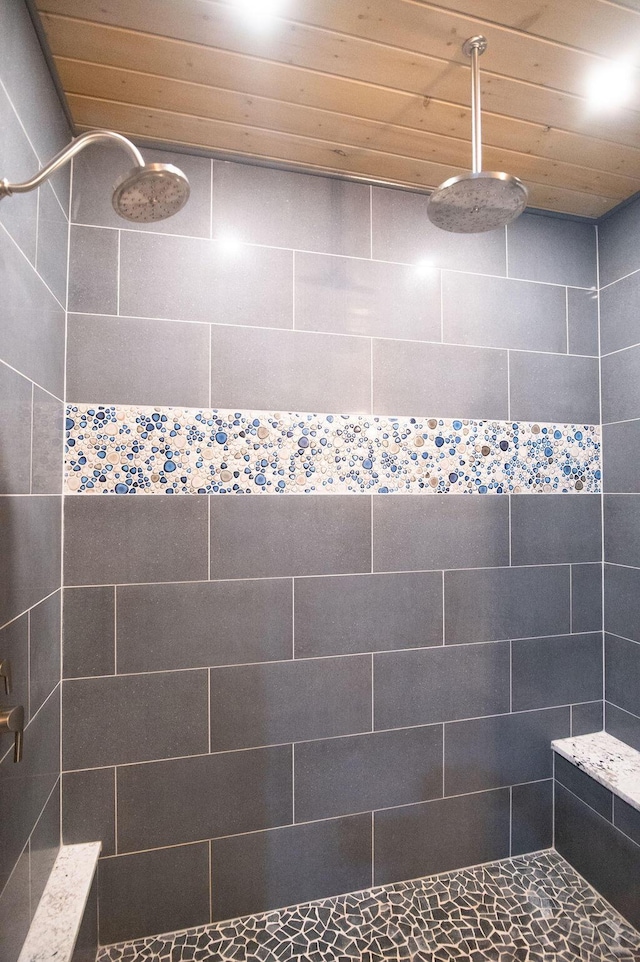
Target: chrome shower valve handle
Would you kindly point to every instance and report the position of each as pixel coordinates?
(12, 721)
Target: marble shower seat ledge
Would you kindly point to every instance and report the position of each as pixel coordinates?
(54, 930)
(609, 761)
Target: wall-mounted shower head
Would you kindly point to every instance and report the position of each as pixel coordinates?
(148, 192)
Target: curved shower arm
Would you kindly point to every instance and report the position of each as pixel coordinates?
(66, 154)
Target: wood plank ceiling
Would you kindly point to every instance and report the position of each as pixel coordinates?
(378, 89)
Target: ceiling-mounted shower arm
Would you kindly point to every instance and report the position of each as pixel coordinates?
(474, 47)
(65, 155)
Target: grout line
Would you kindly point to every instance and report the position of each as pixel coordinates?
(510, 531)
(115, 630)
(553, 799)
(115, 808)
(210, 360)
(602, 527)
(371, 523)
(29, 665)
(293, 290)
(506, 250)
(209, 711)
(444, 634)
(370, 221)
(511, 677)
(618, 279)
(567, 316)
(31, 440)
(210, 202)
(511, 820)
(570, 725)
(209, 538)
(293, 784)
(118, 276)
(373, 848)
(570, 599)
(211, 881)
(293, 618)
(442, 340)
(31, 381)
(373, 726)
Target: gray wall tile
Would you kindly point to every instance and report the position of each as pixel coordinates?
(440, 531)
(153, 892)
(621, 451)
(343, 776)
(285, 209)
(348, 296)
(89, 632)
(531, 817)
(96, 170)
(622, 529)
(626, 818)
(582, 317)
(619, 307)
(188, 279)
(275, 537)
(506, 603)
(503, 750)
(136, 361)
(30, 533)
(497, 312)
(287, 866)
(556, 671)
(586, 718)
(621, 385)
(403, 232)
(48, 442)
(14, 645)
(221, 623)
(15, 433)
(133, 718)
(622, 673)
(52, 250)
(425, 839)
(550, 387)
(14, 910)
(618, 244)
(88, 808)
(193, 798)
(44, 650)
(290, 370)
(87, 941)
(549, 249)
(623, 725)
(440, 684)
(622, 601)
(93, 270)
(586, 597)
(289, 701)
(19, 162)
(586, 788)
(555, 529)
(131, 540)
(345, 615)
(43, 847)
(466, 382)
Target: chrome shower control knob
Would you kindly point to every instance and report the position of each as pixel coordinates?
(12, 720)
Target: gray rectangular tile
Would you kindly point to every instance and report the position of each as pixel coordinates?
(552, 387)
(619, 306)
(618, 244)
(440, 531)
(531, 817)
(211, 795)
(133, 718)
(505, 603)
(44, 846)
(15, 432)
(582, 319)
(221, 623)
(497, 312)
(135, 361)
(289, 701)
(47, 443)
(622, 673)
(44, 650)
(52, 250)
(556, 671)
(287, 866)
(14, 645)
(626, 818)
(466, 382)
(440, 684)
(88, 808)
(622, 529)
(131, 539)
(32, 329)
(426, 839)
(402, 231)
(289, 370)
(93, 270)
(276, 537)
(555, 529)
(343, 776)
(587, 718)
(586, 597)
(622, 601)
(543, 248)
(14, 910)
(621, 385)
(89, 632)
(350, 296)
(30, 535)
(282, 208)
(623, 725)
(18, 162)
(86, 947)
(585, 787)
(151, 892)
(188, 279)
(96, 171)
(621, 451)
(503, 750)
(345, 615)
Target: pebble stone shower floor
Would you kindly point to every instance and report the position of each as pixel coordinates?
(534, 908)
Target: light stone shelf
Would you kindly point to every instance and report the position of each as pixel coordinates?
(609, 761)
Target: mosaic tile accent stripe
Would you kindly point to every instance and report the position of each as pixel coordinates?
(127, 450)
(529, 909)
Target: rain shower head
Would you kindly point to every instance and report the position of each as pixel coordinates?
(480, 200)
(148, 192)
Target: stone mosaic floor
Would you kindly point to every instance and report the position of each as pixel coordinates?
(534, 908)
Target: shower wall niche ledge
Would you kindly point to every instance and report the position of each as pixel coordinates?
(113, 449)
(612, 763)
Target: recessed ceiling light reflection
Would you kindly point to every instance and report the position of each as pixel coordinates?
(423, 266)
(258, 13)
(611, 85)
(229, 244)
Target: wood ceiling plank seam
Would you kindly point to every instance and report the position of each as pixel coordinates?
(456, 150)
(627, 133)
